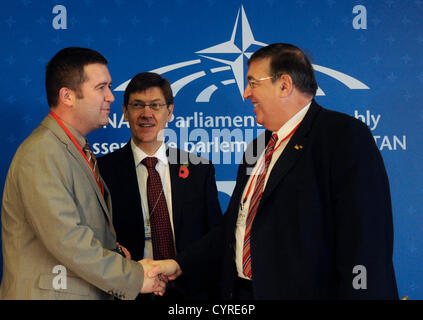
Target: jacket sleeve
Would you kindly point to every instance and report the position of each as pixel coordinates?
(214, 212)
(363, 216)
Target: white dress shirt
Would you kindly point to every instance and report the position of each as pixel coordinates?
(284, 131)
(162, 168)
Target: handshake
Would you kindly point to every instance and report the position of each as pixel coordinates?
(157, 274)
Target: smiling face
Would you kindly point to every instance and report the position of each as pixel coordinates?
(265, 95)
(92, 106)
(147, 126)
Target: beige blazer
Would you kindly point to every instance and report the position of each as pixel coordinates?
(53, 214)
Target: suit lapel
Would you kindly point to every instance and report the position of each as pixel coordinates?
(247, 168)
(50, 123)
(293, 151)
(243, 175)
(130, 181)
(178, 189)
(87, 170)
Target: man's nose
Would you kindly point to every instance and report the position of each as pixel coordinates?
(109, 96)
(247, 92)
(146, 112)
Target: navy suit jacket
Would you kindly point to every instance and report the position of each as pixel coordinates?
(326, 209)
(195, 204)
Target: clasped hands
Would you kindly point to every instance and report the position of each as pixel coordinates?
(157, 273)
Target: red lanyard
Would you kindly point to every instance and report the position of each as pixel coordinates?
(100, 184)
(263, 158)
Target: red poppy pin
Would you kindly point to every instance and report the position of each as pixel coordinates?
(183, 171)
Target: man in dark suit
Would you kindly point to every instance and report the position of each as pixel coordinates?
(187, 182)
(310, 216)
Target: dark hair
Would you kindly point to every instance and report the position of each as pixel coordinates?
(66, 69)
(288, 59)
(146, 80)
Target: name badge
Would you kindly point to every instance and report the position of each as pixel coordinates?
(242, 215)
(147, 231)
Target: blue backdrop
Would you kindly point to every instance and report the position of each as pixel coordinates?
(367, 57)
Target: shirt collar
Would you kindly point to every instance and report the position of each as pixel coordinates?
(139, 155)
(292, 123)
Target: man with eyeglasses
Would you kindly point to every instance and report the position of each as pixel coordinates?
(187, 190)
(311, 217)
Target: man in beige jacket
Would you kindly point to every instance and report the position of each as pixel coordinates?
(58, 239)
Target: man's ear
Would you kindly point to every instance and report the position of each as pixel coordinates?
(66, 97)
(170, 112)
(286, 85)
(125, 111)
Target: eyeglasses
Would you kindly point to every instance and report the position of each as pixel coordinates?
(254, 82)
(153, 106)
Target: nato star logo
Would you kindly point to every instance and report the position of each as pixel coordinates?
(246, 41)
(232, 55)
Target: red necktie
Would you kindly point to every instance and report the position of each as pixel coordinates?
(161, 230)
(254, 203)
